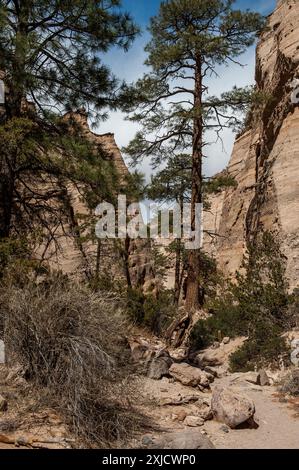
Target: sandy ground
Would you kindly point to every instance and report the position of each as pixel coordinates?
(278, 421)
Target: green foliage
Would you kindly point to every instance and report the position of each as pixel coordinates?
(188, 40)
(35, 177)
(255, 305)
(173, 183)
(218, 183)
(264, 347)
(51, 51)
(135, 303)
(154, 312)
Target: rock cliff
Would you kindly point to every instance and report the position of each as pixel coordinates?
(265, 159)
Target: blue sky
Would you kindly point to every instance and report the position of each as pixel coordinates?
(130, 66)
(144, 9)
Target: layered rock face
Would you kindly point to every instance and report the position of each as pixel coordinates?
(77, 259)
(265, 159)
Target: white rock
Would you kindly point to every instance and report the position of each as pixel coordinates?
(190, 376)
(194, 421)
(2, 352)
(295, 358)
(231, 407)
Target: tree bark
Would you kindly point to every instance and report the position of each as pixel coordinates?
(193, 270)
(13, 108)
(179, 269)
(6, 198)
(177, 283)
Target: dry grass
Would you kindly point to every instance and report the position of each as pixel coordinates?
(71, 344)
(290, 384)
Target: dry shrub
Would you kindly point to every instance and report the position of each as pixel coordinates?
(290, 383)
(69, 341)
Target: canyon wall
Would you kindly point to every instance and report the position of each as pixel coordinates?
(265, 159)
(80, 258)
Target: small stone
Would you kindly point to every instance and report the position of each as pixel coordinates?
(22, 441)
(283, 400)
(194, 421)
(226, 340)
(2, 352)
(263, 378)
(147, 440)
(224, 429)
(3, 404)
(180, 416)
(184, 440)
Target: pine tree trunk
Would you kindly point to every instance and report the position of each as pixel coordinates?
(193, 270)
(6, 199)
(177, 280)
(13, 107)
(178, 261)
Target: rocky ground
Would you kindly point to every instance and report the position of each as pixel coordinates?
(193, 404)
(25, 421)
(207, 407)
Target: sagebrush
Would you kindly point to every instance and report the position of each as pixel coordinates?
(71, 345)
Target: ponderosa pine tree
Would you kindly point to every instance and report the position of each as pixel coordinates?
(50, 55)
(172, 185)
(190, 40)
(50, 52)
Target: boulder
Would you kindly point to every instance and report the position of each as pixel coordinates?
(194, 421)
(217, 357)
(178, 400)
(295, 357)
(190, 376)
(183, 440)
(204, 410)
(180, 354)
(263, 378)
(226, 340)
(3, 403)
(2, 352)
(251, 377)
(139, 348)
(231, 407)
(211, 357)
(159, 368)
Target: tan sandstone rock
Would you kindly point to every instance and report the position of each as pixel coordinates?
(231, 407)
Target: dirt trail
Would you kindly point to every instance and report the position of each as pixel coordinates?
(278, 426)
(278, 422)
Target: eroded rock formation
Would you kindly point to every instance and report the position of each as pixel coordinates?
(265, 159)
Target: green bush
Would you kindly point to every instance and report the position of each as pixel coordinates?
(135, 305)
(256, 305)
(153, 312)
(265, 348)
